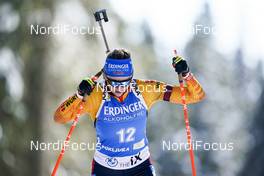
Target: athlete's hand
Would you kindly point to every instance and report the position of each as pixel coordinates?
(180, 65)
(86, 87)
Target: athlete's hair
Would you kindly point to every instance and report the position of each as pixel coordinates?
(119, 54)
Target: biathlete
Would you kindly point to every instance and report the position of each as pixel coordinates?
(119, 107)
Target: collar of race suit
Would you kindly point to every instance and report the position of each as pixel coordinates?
(122, 97)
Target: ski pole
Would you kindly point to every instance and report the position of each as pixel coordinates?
(74, 123)
(187, 123)
(99, 16)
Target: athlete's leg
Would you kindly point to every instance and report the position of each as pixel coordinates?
(151, 171)
(99, 170)
(144, 169)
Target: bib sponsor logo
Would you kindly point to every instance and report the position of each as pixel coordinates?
(134, 159)
(116, 150)
(123, 118)
(125, 162)
(112, 162)
(114, 111)
(115, 66)
(99, 147)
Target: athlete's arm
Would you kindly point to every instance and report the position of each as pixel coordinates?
(68, 109)
(154, 91)
(193, 92)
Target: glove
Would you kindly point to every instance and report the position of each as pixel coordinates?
(85, 87)
(180, 65)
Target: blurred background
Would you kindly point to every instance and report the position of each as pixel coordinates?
(223, 42)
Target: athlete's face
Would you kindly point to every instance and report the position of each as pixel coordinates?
(119, 85)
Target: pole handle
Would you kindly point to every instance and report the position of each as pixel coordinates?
(99, 16)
